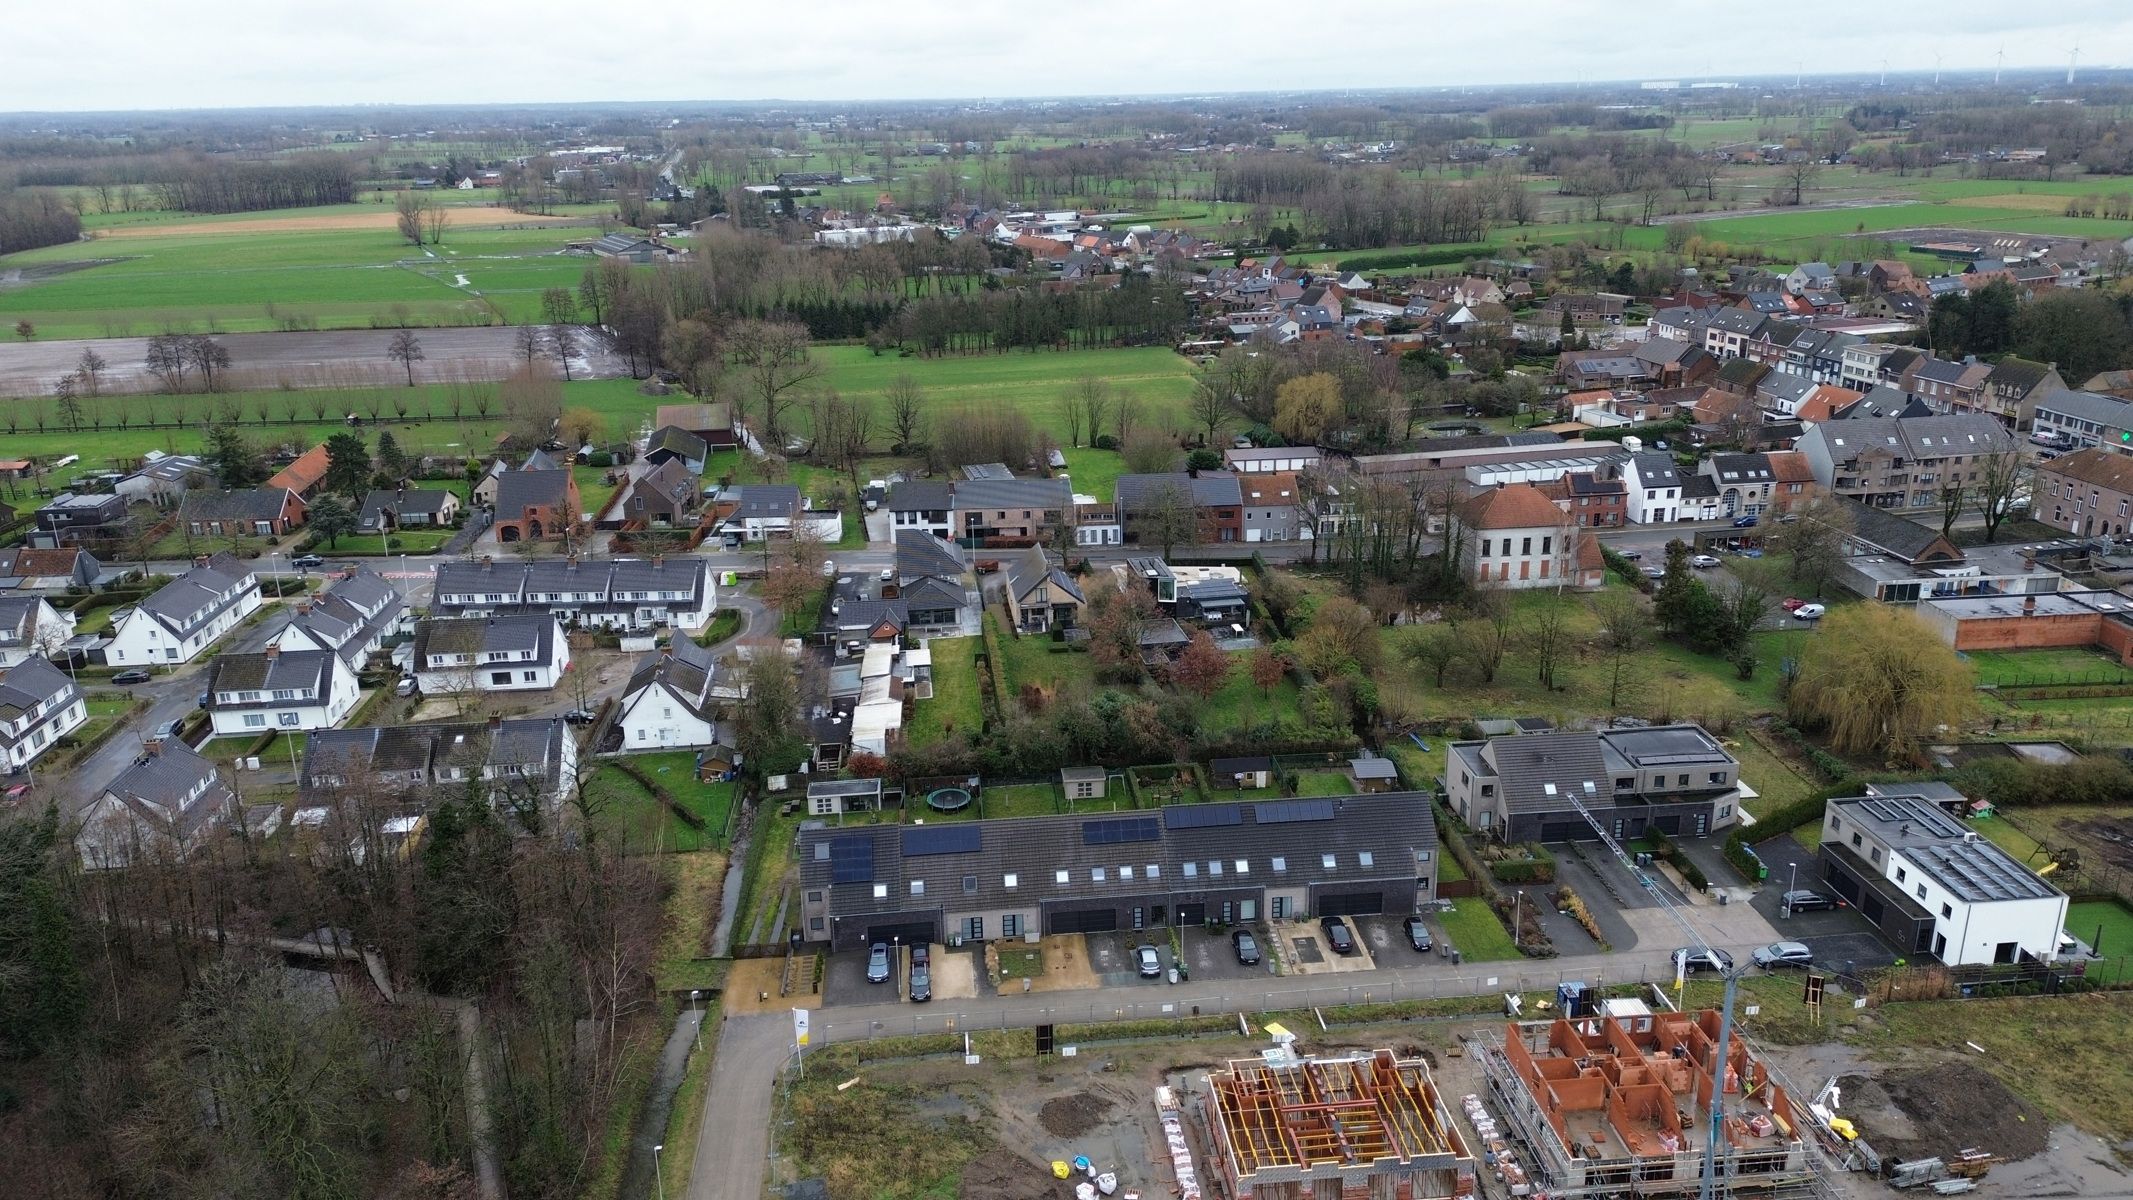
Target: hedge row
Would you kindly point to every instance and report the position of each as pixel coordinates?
(1539, 867)
(660, 793)
(995, 693)
(1833, 769)
(1671, 852)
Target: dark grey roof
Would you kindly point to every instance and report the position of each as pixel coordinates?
(1209, 489)
(190, 601)
(2088, 406)
(248, 504)
(684, 668)
(429, 501)
(401, 753)
(920, 495)
(2018, 375)
(920, 554)
(510, 634)
(1736, 320)
(1373, 768)
(174, 788)
(1032, 567)
(686, 575)
(517, 491)
(1283, 843)
(675, 440)
(1656, 468)
(1928, 437)
(987, 471)
(1696, 487)
(1887, 532)
(1741, 468)
(766, 500)
(267, 672)
(24, 686)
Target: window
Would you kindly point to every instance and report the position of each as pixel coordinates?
(1125, 874)
(1855, 841)
(1096, 874)
(1877, 854)
(255, 720)
(881, 891)
(970, 885)
(1243, 867)
(528, 676)
(1484, 547)
(1010, 925)
(977, 929)
(1281, 864)
(288, 720)
(1192, 870)
(1899, 875)
(1214, 868)
(1724, 811)
(1920, 891)
(815, 897)
(1008, 881)
(1525, 545)
(1059, 877)
(1947, 910)
(1682, 780)
(1155, 871)
(1718, 777)
(1326, 861)
(1280, 906)
(1365, 859)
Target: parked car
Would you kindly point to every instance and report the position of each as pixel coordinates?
(1417, 934)
(579, 716)
(406, 687)
(1337, 935)
(1747, 522)
(878, 963)
(1631, 555)
(1655, 572)
(829, 569)
(1783, 954)
(1703, 561)
(1792, 604)
(1246, 946)
(307, 562)
(1704, 960)
(130, 677)
(1809, 612)
(1148, 962)
(1806, 901)
(168, 729)
(921, 973)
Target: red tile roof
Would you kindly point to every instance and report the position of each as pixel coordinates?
(1514, 506)
(303, 474)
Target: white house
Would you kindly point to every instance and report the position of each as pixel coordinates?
(186, 615)
(352, 618)
(167, 801)
(1935, 886)
(31, 628)
(669, 700)
(622, 593)
(1518, 538)
(285, 690)
(523, 652)
(38, 706)
(1654, 484)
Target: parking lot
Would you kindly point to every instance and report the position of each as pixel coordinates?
(1842, 940)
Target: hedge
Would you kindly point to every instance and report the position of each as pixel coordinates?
(995, 673)
(1690, 873)
(1780, 820)
(1537, 867)
(1629, 572)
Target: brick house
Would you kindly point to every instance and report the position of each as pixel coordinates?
(1589, 501)
(535, 505)
(2088, 492)
(247, 512)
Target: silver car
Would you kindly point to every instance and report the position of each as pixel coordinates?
(1783, 954)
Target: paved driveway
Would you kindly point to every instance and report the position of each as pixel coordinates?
(844, 981)
(1209, 953)
(1111, 955)
(1842, 940)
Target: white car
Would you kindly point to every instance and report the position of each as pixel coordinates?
(1703, 560)
(1808, 612)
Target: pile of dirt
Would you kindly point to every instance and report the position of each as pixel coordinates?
(1074, 1116)
(1002, 1174)
(1943, 1109)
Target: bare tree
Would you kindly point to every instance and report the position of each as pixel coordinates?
(436, 221)
(530, 343)
(405, 349)
(91, 366)
(1165, 515)
(207, 356)
(1801, 175)
(907, 411)
(1088, 400)
(775, 364)
(560, 344)
(409, 207)
(2002, 486)
(1625, 620)
(1954, 502)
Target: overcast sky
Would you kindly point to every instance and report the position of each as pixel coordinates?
(124, 54)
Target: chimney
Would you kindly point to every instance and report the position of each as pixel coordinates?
(659, 560)
(273, 651)
(496, 724)
(152, 748)
(2029, 606)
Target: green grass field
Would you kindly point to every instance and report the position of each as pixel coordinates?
(632, 813)
(1476, 933)
(955, 706)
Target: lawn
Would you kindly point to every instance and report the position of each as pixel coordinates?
(1032, 382)
(2046, 668)
(1241, 705)
(955, 704)
(1031, 660)
(1476, 933)
(1775, 781)
(645, 825)
(675, 770)
(1324, 783)
(406, 541)
(697, 879)
(2106, 925)
(1020, 800)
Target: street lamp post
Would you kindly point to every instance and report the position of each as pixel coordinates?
(1792, 876)
(656, 1148)
(697, 998)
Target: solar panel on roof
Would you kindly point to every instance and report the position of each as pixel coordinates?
(1201, 816)
(1120, 831)
(922, 840)
(1283, 812)
(852, 860)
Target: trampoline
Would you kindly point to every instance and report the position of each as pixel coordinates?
(949, 799)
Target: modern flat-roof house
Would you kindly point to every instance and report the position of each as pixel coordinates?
(38, 706)
(1188, 864)
(246, 513)
(31, 628)
(71, 519)
(352, 618)
(669, 700)
(287, 691)
(166, 803)
(407, 508)
(186, 615)
(1934, 886)
(1267, 460)
(621, 593)
(510, 652)
(519, 764)
(1673, 779)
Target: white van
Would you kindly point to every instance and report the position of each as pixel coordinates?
(67, 461)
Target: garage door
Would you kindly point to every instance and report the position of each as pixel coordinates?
(1192, 914)
(1350, 904)
(904, 932)
(1564, 831)
(1082, 920)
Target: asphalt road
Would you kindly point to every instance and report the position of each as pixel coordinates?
(267, 359)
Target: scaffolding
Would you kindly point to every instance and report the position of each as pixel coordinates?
(1373, 1123)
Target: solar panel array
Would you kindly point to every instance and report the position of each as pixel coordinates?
(1283, 812)
(922, 840)
(1119, 832)
(852, 860)
(1201, 816)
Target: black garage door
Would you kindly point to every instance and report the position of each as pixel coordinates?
(1564, 831)
(906, 933)
(1192, 914)
(1082, 920)
(1350, 904)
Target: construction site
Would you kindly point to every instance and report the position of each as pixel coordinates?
(1366, 1127)
(1619, 1102)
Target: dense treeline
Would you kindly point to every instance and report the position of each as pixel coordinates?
(1365, 207)
(225, 187)
(32, 219)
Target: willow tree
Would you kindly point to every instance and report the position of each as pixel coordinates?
(1881, 681)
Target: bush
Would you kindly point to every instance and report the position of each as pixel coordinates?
(1626, 571)
(1104, 441)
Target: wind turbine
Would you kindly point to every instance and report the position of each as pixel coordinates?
(1936, 68)
(1799, 72)
(1999, 56)
(1884, 72)
(2072, 59)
